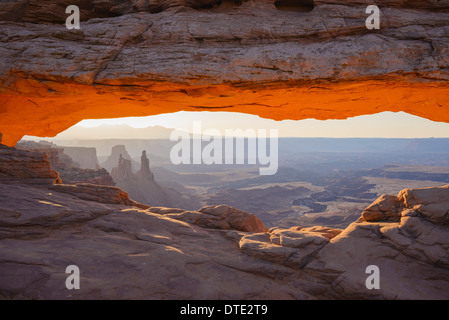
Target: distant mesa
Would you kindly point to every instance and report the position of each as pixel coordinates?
(86, 157)
(117, 152)
(70, 171)
(56, 155)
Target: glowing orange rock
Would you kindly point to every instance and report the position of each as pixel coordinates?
(251, 57)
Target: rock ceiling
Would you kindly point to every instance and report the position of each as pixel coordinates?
(278, 60)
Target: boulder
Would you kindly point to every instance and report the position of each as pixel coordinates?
(384, 208)
(431, 203)
(411, 250)
(217, 217)
(293, 247)
(98, 193)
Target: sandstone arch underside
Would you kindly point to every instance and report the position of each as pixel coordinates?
(138, 58)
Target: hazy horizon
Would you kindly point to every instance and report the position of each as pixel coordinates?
(381, 125)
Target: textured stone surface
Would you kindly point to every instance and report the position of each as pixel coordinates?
(122, 253)
(412, 253)
(98, 193)
(28, 166)
(385, 207)
(126, 250)
(69, 170)
(293, 247)
(249, 57)
(217, 217)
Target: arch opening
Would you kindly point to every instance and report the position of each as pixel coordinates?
(327, 172)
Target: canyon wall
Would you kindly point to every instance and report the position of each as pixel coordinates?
(314, 59)
(85, 157)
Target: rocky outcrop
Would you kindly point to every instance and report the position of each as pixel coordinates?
(76, 175)
(172, 257)
(126, 250)
(406, 239)
(140, 185)
(145, 171)
(69, 170)
(119, 152)
(55, 155)
(97, 193)
(26, 166)
(216, 217)
(293, 247)
(276, 59)
(123, 252)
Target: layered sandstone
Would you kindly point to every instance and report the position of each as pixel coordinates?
(69, 170)
(315, 59)
(27, 166)
(126, 250)
(217, 217)
(98, 193)
(55, 155)
(411, 252)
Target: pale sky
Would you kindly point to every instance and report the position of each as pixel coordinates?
(383, 125)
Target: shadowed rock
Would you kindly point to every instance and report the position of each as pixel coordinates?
(27, 166)
(128, 251)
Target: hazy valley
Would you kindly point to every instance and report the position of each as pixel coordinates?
(320, 181)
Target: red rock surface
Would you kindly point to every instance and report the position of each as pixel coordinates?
(132, 59)
(27, 166)
(252, 58)
(126, 250)
(216, 217)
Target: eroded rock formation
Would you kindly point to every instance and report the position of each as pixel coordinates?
(312, 59)
(69, 170)
(26, 166)
(126, 250)
(216, 217)
(142, 187)
(411, 252)
(55, 155)
(134, 58)
(118, 152)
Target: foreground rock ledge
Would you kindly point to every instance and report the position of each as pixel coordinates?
(315, 61)
(126, 250)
